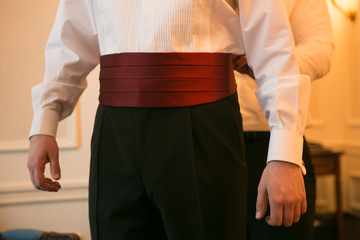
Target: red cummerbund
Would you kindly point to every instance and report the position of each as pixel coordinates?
(165, 79)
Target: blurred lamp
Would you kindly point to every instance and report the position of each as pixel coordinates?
(347, 7)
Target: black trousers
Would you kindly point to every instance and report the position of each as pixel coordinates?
(256, 148)
(168, 173)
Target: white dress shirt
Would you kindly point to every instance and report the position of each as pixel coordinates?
(85, 29)
(311, 27)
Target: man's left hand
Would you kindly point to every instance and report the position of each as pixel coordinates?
(282, 185)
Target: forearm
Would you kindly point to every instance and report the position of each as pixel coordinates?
(72, 51)
(283, 93)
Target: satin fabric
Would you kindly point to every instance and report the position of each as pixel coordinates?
(165, 79)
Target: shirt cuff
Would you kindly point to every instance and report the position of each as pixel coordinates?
(45, 122)
(286, 146)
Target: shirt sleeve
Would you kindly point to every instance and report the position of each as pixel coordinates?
(283, 93)
(72, 51)
(312, 31)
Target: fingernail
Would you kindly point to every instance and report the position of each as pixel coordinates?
(257, 215)
(56, 176)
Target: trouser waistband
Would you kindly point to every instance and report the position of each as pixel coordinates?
(165, 79)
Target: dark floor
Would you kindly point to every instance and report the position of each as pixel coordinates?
(325, 227)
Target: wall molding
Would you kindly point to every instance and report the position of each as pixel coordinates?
(26, 194)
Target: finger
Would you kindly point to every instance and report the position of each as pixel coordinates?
(261, 203)
(289, 209)
(49, 185)
(55, 165)
(297, 213)
(39, 178)
(303, 206)
(276, 213)
(32, 177)
(31, 171)
(43, 183)
(53, 183)
(31, 167)
(38, 174)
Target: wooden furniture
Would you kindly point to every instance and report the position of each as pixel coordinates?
(327, 162)
(32, 234)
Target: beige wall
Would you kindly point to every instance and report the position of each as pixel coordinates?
(24, 29)
(335, 110)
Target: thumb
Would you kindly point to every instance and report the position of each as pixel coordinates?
(55, 165)
(261, 202)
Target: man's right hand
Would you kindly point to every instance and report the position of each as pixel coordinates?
(43, 150)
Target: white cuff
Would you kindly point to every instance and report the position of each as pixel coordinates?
(45, 122)
(286, 146)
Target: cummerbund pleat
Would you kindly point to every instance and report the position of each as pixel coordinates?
(165, 79)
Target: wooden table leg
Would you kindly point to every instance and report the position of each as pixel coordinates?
(339, 213)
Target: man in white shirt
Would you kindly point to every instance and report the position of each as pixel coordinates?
(311, 27)
(166, 158)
